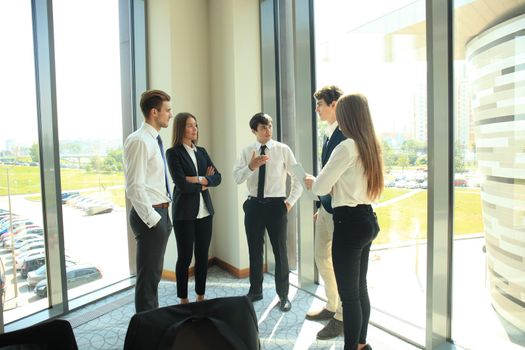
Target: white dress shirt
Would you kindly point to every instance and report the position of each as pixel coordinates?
(329, 131)
(344, 177)
(279, 165)
(144, 173)
(203, 211)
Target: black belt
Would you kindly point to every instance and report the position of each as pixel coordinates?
(267, 199)
(161, 205)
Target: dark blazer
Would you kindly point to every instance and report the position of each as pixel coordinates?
(337, 137)
(186, 195)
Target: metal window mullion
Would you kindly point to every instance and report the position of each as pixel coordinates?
(440, 168)
(49, 153)
(134, 79)
(305, 129)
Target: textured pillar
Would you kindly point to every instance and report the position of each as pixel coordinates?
(496, 60)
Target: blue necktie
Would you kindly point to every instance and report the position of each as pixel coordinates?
(159, 140)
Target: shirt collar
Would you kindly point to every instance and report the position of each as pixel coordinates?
(331, 128)
(269, 144)
(188, 148)
(150, 130)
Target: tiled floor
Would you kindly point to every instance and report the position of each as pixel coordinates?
(103, 325)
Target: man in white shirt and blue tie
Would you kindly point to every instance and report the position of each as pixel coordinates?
(265, 166)
(147, 189)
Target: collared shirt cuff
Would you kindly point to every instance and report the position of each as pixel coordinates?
(153, 219)
(290, 201)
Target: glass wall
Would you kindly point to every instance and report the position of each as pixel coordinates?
(378, 48)
(90, 142)
(83, 62)
(21, 225)
(489, 160)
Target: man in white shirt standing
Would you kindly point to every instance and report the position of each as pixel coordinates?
(148, 190)
(265, 166)
(326, 100)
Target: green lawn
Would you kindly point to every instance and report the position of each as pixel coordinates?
(392, 192)
(26, 179)
(406, 220)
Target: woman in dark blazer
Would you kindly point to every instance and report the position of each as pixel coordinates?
(192, 172)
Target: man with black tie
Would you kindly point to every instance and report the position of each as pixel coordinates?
(149, 194)
(265, 166)
(326, 101)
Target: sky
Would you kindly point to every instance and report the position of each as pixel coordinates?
(88, 66)
(388, 70)
(88, 70)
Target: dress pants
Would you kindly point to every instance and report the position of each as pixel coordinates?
(151, 246)
(271, 215)
(191, 234)
(354, 230)
(324, 230)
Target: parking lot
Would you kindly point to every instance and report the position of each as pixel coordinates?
(99, 240)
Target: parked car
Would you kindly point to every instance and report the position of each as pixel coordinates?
(32, 263)
(19, 260)
(17, 240)
(23, 242)
(99, 208)
(29, 246)
(23, 231)
(76, 275)
(16, 224)
(38, 274)
(69, 195)
(17, 229)
(460, 183)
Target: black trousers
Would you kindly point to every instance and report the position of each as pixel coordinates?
(272, 216)
(151, 246)
(192, 235)
(354, 230)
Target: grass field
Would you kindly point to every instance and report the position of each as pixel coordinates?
(26, 179)
(406, 219)
(401, 221)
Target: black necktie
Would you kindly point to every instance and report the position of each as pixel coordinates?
(324, 151)
(262, 175)
(159, 140)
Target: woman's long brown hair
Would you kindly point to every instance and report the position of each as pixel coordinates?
(179, 127)
(353, 117)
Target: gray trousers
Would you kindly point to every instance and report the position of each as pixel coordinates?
(151, 246)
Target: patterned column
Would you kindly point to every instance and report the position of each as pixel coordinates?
(496, 71)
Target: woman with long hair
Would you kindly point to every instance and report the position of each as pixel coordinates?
(192, 172)
(354, 177)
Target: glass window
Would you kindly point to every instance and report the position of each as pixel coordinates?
(90, 136)
(489, 182)
(20, 191)
(378, 48)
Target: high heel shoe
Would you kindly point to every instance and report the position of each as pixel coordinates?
(367, 347)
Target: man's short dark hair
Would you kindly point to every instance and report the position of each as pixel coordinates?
(260, 118)
(329, 94)
(152, 99)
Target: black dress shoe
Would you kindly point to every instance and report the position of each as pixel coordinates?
(285, 305)
(333, 329)
(254, 297)
(324, 314)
